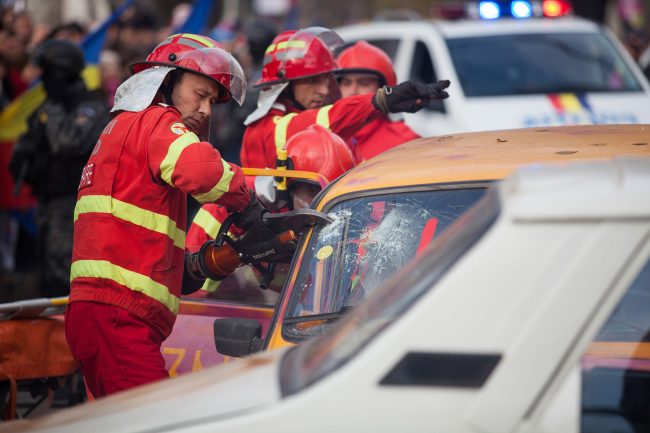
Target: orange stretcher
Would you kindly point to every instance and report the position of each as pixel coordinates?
(33, 345)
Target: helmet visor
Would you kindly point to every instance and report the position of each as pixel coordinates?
(308, 52)
(218, 65)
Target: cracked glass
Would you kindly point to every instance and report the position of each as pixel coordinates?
(370, 239)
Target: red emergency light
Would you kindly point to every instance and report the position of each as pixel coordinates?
(556, 8)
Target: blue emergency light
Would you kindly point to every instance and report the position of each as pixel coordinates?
(494, 9)
(521, 9)
(517, 9)
(489, 10)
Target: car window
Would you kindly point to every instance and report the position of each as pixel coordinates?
(370, 239)
(309, 362)
(243, 285)
(539, 63)
(616, 367)
(422, 70)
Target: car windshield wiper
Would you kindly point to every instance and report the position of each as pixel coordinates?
(323, 317)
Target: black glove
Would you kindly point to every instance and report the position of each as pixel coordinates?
(261, 244)
(250, 215)
(409, 96)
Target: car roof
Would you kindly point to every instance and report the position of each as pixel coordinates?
(468, 28)
(617, 188)
(490, 155)
(464, 28)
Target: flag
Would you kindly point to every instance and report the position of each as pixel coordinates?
(13, 119)
(197, 20)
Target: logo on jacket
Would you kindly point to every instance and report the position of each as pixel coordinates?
(179, 128)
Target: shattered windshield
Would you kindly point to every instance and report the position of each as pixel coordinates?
(309, 362)
(370, 239)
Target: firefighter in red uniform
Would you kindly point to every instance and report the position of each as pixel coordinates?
(316, 150)
(299, 89)
(364, 69)
(130, 216)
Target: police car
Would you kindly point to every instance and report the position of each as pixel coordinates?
(509, 72)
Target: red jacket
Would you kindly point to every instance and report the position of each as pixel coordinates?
(130, 217)
(377, 136)
(263, 137)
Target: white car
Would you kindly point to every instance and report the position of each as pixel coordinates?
(510, 73)
(530, 314)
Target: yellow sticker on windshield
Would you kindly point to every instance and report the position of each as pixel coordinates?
(324, 252)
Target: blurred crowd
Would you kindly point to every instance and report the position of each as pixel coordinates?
(136, 32)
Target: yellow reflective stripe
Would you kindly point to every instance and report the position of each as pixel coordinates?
(133, 280)
(281, 126)
(323, 116)
(207, 222)
(204, 41)
(291, 44)
(220, 188)
(285, 44)
(128, 212)
(175, 149)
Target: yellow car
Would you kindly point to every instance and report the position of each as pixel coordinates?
(385, 212)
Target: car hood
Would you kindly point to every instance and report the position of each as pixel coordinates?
(203, 395)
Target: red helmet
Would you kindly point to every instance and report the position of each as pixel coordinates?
(363, 57)
(318, 150)
(201, 55)
(299, 54)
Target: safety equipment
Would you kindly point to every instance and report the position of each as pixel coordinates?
(319, 150)
(409, 96)
(201, 55)
(364, 58)
(120, 209)
(272, 239)
(217, 260)
(299, 54)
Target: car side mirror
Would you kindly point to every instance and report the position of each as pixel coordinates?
(237, 337)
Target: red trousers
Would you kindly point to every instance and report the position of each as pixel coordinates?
(114, 349)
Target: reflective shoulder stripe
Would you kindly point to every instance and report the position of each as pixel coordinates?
(281, 126)
(128, 212)
(175, 149)
(207, 222)
(323, 116)
(132, 280)
(220, 188)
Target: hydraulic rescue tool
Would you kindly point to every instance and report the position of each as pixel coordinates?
(272, 240)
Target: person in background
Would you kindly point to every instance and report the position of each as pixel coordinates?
(129, 232)
(299, 89)
(363, 69)
(52, 153)
(316, 150)
(259, 33)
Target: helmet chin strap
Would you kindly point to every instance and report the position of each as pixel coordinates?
(289, 94)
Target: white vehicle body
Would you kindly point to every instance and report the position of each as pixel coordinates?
(425, 50)
(492, 330)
